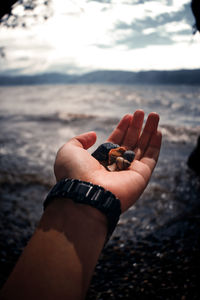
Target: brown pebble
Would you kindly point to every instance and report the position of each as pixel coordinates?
(126, 164)
(114, 153)
(120, 163)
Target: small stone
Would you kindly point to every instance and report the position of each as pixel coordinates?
(120, 163)
(114, 153)
(101, 153)
(126, 164)
(129, 155)
(112, 167)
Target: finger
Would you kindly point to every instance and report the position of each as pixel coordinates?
(133, 132)
(149, 128)
(151, 154)
(119, 132)
(85, 140)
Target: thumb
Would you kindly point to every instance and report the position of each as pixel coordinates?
(85, 140)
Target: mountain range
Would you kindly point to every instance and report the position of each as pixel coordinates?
(110, 77)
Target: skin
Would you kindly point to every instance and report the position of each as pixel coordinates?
(59, 260)
(80, 164)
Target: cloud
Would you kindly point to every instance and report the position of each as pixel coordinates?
(143, 32)
(138, 24)
(137, 40)
(101, 1)
(103, 34)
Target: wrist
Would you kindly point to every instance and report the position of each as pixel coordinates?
(86, 193)
(82, 231)
(62, 210)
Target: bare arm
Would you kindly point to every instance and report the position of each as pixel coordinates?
(60, 257)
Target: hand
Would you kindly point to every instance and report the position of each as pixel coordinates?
(74, 161)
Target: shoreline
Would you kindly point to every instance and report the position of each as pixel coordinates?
(155, 247)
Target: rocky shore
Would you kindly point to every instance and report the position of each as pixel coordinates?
(164, 265)
(143, 260)
(154, 252)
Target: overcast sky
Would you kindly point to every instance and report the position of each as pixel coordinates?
(85, 35)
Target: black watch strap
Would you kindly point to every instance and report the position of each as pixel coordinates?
(87, 193)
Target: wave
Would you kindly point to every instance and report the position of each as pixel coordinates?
(56, 117)
(180, 133)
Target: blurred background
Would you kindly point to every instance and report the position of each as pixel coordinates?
(71, 66)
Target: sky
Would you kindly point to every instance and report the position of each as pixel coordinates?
(86, 35)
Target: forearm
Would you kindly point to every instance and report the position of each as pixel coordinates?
(60, 258)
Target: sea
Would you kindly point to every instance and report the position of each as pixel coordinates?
(36, 120)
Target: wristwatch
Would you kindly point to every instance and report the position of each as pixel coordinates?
(90, 194)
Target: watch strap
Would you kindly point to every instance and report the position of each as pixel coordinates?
(87, 193)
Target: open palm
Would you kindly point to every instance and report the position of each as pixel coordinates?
(74, 161)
